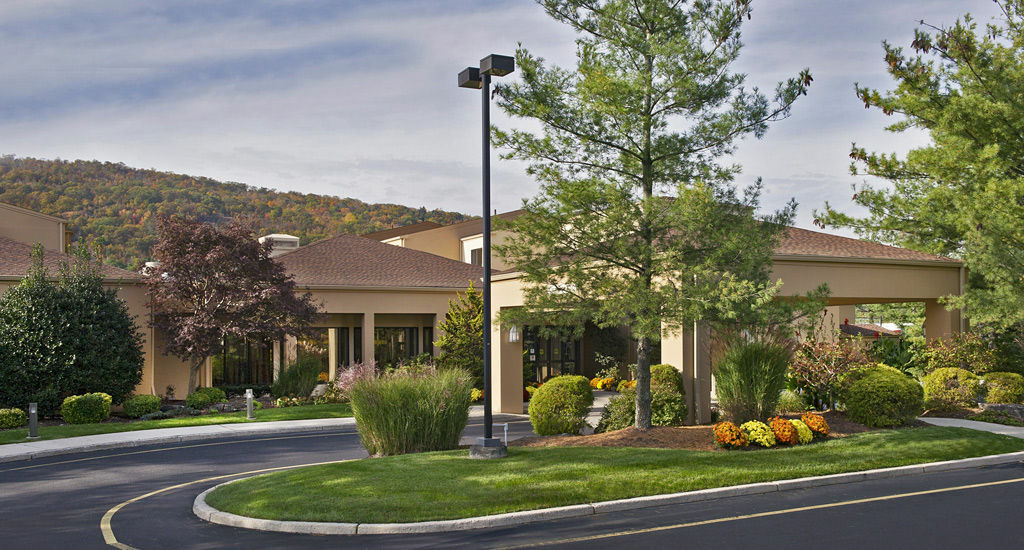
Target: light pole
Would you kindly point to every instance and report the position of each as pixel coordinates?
(480, 77)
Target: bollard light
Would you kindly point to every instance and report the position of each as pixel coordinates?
(248, 404)
(33, 420)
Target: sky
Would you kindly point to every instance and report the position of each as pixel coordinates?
(359, 98)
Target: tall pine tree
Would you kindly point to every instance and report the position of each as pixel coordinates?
(637, 222)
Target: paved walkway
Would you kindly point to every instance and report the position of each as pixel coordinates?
(1013, 431)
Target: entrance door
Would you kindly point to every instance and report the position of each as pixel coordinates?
(549, 356)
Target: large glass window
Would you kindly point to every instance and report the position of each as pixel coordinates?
(428, 340)
(343, 355)
(393, 344)
(243, 361)
(549, 356)
(357, 345)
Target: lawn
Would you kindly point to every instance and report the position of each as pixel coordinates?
(337, 410)
(449, 485)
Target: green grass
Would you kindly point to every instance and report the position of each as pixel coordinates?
(338, 410)
(449, 485)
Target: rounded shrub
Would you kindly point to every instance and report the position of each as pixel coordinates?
(848, 379)
(668, 402)
(1004, 387)
(202, 398)
(884, 399)
(86, 409)
(139, 405)
(12, 418)
(951, 388)
(666, 376)
(561, 405)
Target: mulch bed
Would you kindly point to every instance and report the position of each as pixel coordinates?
(696, 438)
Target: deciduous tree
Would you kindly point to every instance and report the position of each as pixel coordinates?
(213, 282)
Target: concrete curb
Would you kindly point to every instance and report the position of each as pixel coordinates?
(154, 437)
(204, 511)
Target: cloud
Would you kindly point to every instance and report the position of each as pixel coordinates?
(358, 98)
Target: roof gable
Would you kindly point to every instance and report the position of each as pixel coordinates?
(16, 260)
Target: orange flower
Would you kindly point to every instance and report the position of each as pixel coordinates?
(729, 436)
(816, 423)
(785, 431)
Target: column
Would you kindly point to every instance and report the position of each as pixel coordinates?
(677, 350)
(368, 326)
(276, 350)
(291, 349)
(506, 372)
(701, 373)
(940, 322)
(332, 353)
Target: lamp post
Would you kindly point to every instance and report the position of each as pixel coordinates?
(480, 77)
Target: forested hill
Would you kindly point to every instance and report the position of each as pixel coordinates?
(118, 204)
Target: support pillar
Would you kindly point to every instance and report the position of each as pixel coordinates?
(332, 353)
(276, 351)
(940, 322)
(291, 350)
(506, 372)
(677, 350)
(701, 373)
(368, 330)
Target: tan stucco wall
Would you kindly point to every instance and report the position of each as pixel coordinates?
(862, 282)
(31, 229)
(447, 242)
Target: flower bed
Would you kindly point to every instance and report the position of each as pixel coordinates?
(778, 432)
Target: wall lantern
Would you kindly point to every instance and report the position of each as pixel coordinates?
(513, 334)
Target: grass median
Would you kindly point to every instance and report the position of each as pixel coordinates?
(336, 410)
(449, 485)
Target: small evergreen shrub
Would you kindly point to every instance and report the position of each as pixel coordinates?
(203, 398)
(950, 388)
(791, 402)
(667, 377)
(1004, 387)
(750, 377)
(86, 409)
(298, 380)
(238, 390)
(410, 412)
(560, 405)
(668, 408)
(139, 405)
(884, 399)
(12, 418)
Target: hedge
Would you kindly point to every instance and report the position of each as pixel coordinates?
(951, 388)
(86, 409)
(884, 399)
(561, 405)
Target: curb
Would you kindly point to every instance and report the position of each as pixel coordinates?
(206, 512)
(33, 455)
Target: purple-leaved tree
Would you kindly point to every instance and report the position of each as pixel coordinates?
(214, 282)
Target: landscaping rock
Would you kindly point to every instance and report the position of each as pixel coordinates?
(319, 390)
(1016, 411)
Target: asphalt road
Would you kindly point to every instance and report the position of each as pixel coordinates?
(59, 503)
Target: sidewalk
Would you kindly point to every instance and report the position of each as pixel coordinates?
(1013, 431)
(99, 442)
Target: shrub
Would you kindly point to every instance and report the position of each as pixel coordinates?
(66, 335)
(1004, 387)
(292, 402)
(238, 390)
(884, 399)
(759, 433)
(12, 418)
(202, 398)
(819, 365)
(624, 385)
(816, 423)
(560, 405)
(784, 430)
(139, 405)
(401, 413)
(729, 436)
(667, 377)
(803, 433)
(961, 350)
(461, 335)
(791, 402)
(750, 377)
(904, 354)
(86, 409)
(854, 375)
(950, 388)
(668, 408)
(298, 380)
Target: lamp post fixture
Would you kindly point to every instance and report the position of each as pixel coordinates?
(480, 77)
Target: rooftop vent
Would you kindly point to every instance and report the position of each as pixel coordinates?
(281, 243)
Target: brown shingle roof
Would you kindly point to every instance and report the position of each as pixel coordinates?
(803, 242)
(868, 330)
(348, 260)
(16, 259)
(401, 231)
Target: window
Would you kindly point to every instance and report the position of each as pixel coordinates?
(476, 256)
(428, 340)
(316, 346)
(343, 357)
(357, 344)
(243, 361)
(393, 345)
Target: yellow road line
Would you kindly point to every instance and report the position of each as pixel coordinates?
(233, 442)
(108, 533)
(765, 514)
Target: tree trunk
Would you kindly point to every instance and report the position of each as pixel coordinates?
(193, 375)
(643, 384)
